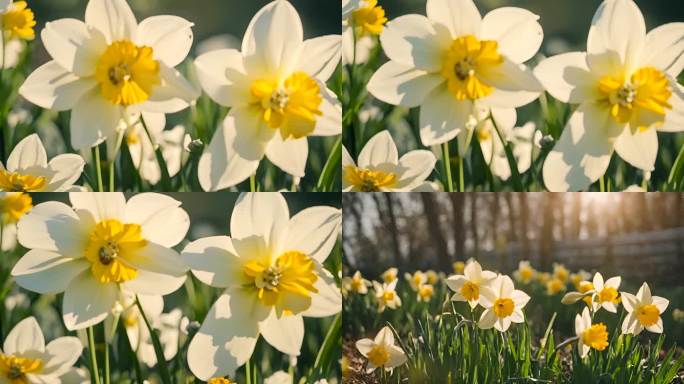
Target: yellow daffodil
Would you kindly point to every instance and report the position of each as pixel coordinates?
(14, 205)
(389, 275)
(554, 286)
(416, 280)
(525, 273)
(362, 22)
(560, 272)
(589, 336)
(425, 292)
(606, 293)
(643, 311)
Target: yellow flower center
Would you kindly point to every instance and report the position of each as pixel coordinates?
(127, 73)
(14, 205)
(369, 181)
(291, 107)
(608, 294)
(648, 315)
(642, 99)
(389, 276)
(292, 273)
(388, 296)
(470, 291)
(370, 18)
(16, 182)
(561, 273)
(19, 21)
(15, 368)
(379, 355)
(425, 291)
(464, 63)
(596, 336)
(219, 380)
(503, 307)
(356, 284)
(584, 287)
(554, 286)
(111, 247)
(526, 274)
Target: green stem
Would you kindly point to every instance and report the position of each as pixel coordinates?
(602, 184)
(252, 183)
(94, 372)
(106, 362)
(248, 371)
(98, 168)
(332, 165)
(461, 178)
(111, 175)
(165, 177)
(515, 175)
(158, 350)
(446, 160)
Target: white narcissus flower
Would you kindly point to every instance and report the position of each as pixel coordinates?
(356, 284)
(276, 90)
(17, 23)
(24, 357)
(643, 311)
(271, 270)
(386, 295)
(468, 287)
(416, 280)
(626, 88)
(111, 68)
(381, 351)
(606, 293)
(454, 62)
(589, 335)
(365, 18)
(525, 272)
(28, 169)
(100, 246)
(379, 167)
(389, 275)
(503, 304)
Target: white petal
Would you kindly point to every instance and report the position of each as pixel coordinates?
(114, 18)
(385, 336)
(170, 37)
(227, 337)
(73, 45)
(320, 56)
(63, 352)
(289, 155)
(102, 205)
(174, 94)
(665, 48)
(520, 298)
(52, 87)
(629, 301)
(402, 85)
(674, 118)
(252, 134)
(162, 221)
(639, 149)
(379, 150)
(161, 271)
(618, 27)
(416, 166)
(661, 303)
(264, 215)
(29, 152)
(364, 346)
(442, 117)
(67, 169)
(284, 334)
(461, 17)
(222, 75)
(274, 36)
(657, 327)
(25, 337)
(52, 226)
(213, 261)
(397, 357)
(328, 300)
(314, 231)
(644, 294)
(93, 120)
(614, 282)
(487, 319)
(514, 86)
(517, 316)
(87, 302)
(516, 30)
(47, 272)
(567, 77)
(221, 166)
(583, 152)
(412, 41)
(330, 124)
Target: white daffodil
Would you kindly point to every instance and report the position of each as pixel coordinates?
(389, 275)
(276, 90)
(589, 335)
(560, 272)
(25, 358)
(386, 295)
(468, 287)
(643, 311)
(503, 304)
(13, 206)
(525, 272)
(626, 90)
(362, 22)
(101, 245)
(577, 278)
(28, 169)
(356, 284)
(272, 273)
(454, 62)
(381, 351)
(425, 292)
(17, 24)
(606, 293)
(110, 69)
(416, 280)
(380, 168)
